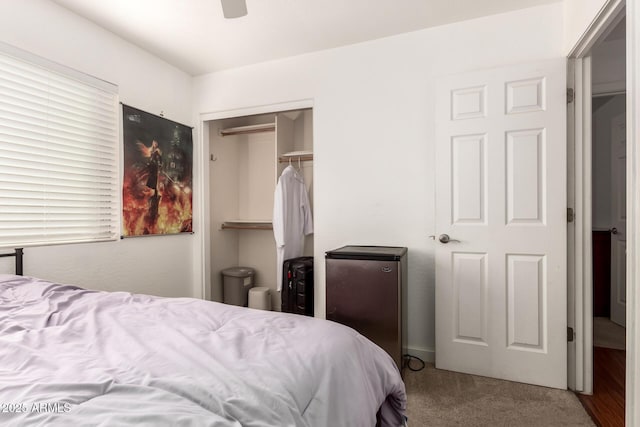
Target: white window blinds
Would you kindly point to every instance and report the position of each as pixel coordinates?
(58, 154)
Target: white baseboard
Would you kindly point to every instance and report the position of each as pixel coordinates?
(427, 355)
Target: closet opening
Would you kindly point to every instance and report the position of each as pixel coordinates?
(247, 155)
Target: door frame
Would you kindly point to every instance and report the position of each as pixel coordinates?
(579, 263)
(632, 408)
(579, 282)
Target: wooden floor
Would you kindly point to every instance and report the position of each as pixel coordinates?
(606, 405)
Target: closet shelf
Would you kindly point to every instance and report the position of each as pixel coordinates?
(241, 224)
(303, 156)
(240, 130)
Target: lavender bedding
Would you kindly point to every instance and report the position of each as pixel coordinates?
(71, 357)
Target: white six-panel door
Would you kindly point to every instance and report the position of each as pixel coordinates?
(618, 220)
(501, 291)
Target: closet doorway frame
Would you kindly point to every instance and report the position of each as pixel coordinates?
(203, 268)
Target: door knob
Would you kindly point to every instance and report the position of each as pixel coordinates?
(444, 238)
(613, 230)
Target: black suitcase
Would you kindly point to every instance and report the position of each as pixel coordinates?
(297, 286)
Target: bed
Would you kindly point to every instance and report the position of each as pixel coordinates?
(72, 356)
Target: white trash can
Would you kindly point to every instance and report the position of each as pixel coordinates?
(260, 298)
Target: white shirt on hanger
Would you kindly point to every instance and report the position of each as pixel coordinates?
(292, 218)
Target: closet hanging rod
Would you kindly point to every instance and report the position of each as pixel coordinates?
(302, 158)
(240, 130)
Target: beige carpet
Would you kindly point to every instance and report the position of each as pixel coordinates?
(608, 334)
(443, 398)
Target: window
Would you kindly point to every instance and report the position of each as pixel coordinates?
(58, 154)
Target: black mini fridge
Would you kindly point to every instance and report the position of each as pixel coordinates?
(364, 291)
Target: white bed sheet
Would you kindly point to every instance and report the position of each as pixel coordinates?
(70, 356)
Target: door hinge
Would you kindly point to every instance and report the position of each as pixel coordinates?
(570, 215)
(570, 334)
(570, 95)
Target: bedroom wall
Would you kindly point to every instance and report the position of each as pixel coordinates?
(374, 130)
(608, 75)
(154, 265)
(608, 67)
(578, 15)
(601, 160)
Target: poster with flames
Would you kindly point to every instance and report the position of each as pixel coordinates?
(158, 167)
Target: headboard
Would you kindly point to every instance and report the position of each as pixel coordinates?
(18, 254)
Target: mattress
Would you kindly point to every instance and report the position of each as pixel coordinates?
(72, 356)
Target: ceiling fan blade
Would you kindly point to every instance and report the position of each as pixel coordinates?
(234, 8)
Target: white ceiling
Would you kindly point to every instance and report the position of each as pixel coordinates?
(194, 36)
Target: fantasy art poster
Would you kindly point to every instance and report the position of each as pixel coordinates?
(156, 189)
